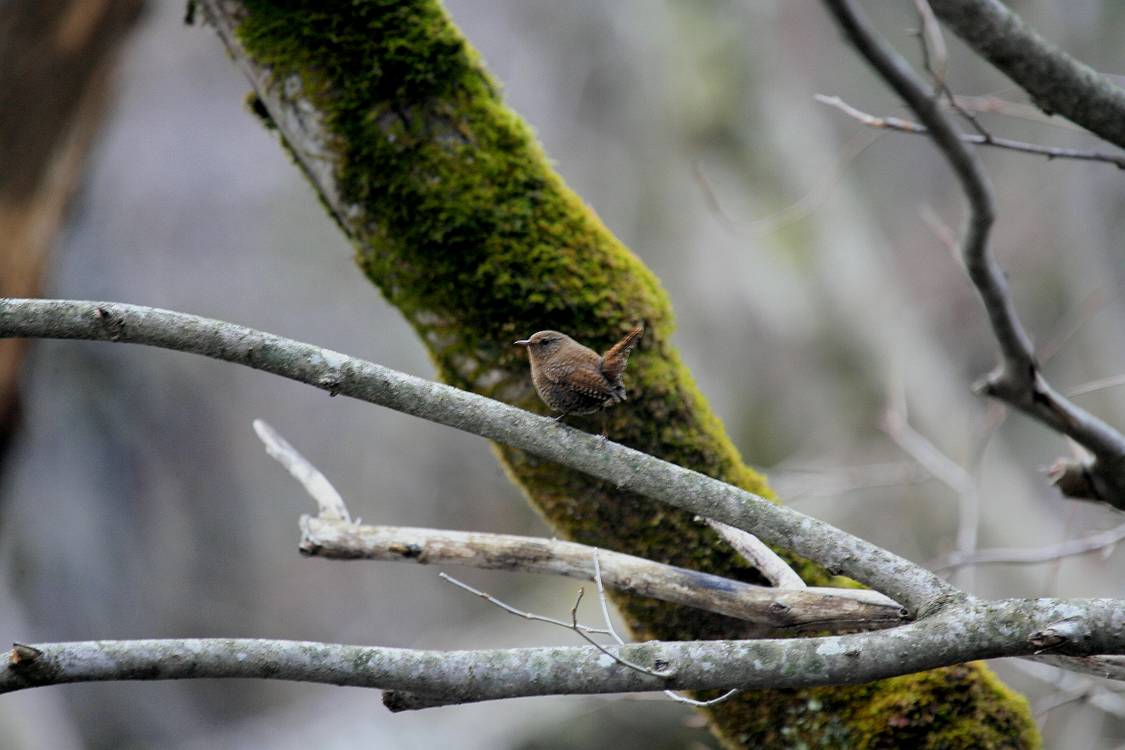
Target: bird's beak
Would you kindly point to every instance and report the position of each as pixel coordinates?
(522, 342)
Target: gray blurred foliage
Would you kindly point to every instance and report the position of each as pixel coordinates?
(140, 504)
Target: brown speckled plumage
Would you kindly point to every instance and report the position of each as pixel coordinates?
(574, 379)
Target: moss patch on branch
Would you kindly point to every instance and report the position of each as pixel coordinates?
(459, 219)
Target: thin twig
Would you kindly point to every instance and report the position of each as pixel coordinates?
(1097, 385)
(947, 471)
(1070, 322)
(818, 193)
(794, 483)
(1032, 555)
(518, 612)
(621, 641)
(935, 58)
(797, 209)
(603, 599)
(711, 198)
(901, 125)
(328, 500)
(993, 104)
(582, 630)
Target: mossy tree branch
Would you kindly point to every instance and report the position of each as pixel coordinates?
(458, 218)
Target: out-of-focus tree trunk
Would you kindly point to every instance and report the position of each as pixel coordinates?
(56, 57)
(459, 219)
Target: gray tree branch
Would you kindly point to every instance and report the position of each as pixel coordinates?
(914, 587)
(1018, 381)
(1056, 82)
(332, 534)
(769, 609)
(952, 628)
(963, 632)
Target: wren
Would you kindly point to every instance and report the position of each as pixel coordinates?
(574, 379)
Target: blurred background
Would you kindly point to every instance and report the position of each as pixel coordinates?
(805, 258)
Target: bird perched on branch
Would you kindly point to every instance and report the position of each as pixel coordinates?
(574, 379)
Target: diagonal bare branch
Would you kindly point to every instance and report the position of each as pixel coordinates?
(914, 587)
(1018, 381)
(1056, 82)
(765, 560)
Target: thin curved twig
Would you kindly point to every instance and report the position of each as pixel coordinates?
(907, 126)
(575, 626)
(328, 500)
(1032, 555)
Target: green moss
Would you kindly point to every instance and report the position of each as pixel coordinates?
(465, 227)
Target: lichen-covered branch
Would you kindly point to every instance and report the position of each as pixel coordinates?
(963, 633)
(340, 374)
(1056, 82)
(767, 609)
(332, 534)
(1018, 381)
(916, 588)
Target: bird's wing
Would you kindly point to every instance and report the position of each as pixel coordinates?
(613, 361)
(584, 379)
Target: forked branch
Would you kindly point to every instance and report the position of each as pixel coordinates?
(1018, 380)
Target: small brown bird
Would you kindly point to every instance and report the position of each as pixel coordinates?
(572, 378)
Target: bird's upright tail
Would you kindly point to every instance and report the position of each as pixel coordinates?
(613, 361)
